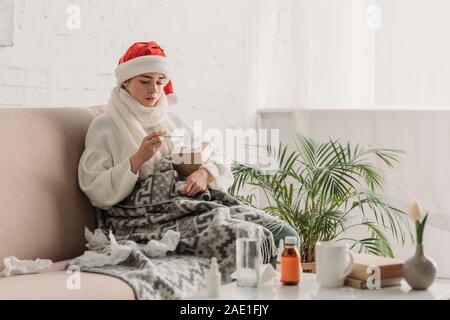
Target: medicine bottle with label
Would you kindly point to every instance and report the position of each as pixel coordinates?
(290, 262)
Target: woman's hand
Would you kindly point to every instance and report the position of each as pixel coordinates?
(149, 147)
(197, 181)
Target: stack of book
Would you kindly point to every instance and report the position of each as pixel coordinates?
(363, 274)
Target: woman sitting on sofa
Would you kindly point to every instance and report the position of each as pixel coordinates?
(124, 143)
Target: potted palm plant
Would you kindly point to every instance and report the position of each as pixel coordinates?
(323, 190)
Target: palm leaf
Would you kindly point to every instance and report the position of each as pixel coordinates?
(320, 188)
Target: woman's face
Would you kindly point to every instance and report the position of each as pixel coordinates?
(147, 88)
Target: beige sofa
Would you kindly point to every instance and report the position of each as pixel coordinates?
(42, 209)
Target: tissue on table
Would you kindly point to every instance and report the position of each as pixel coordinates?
(268, 276)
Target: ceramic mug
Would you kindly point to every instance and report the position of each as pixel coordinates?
(334, 262)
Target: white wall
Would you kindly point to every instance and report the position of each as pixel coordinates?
(53, 66)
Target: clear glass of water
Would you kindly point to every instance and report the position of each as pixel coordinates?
(248, 261)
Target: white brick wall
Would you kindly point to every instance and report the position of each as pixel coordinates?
(52, 66)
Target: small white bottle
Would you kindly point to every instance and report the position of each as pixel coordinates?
(280, 252)
(213, 279)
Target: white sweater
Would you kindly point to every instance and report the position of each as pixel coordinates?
(104, 170)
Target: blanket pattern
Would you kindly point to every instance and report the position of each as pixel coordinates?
(209, 224)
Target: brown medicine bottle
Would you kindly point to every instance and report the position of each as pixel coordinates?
(290, 263)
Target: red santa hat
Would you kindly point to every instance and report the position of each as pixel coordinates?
(144, 57)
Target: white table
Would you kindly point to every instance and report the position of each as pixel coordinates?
(308, 289)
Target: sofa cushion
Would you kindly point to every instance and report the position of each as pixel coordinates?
(52, 284)
(42, 209)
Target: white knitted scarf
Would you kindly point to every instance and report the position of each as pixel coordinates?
(132, 118)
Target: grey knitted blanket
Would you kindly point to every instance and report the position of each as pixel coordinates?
(208, 223)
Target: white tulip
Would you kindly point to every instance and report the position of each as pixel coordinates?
(416, 212)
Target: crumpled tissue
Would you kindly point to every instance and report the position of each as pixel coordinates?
(268, 276)
(14, 266)
(168, 242)
(120, 252)
(96, 239)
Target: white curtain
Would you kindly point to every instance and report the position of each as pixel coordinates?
(309, 54)
(412, 62)
(353, 54)
(273, 52)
